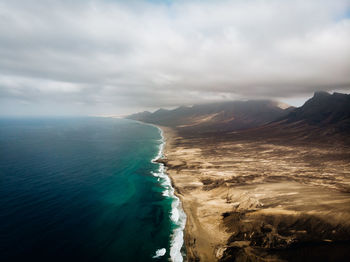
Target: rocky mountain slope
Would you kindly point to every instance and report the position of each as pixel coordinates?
(323, 110)
(224, 116)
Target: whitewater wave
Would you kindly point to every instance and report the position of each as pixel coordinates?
(160, 252)
(178, 216)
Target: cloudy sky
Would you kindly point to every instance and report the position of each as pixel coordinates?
(116, 57)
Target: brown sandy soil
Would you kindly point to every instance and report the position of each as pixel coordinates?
(258, 200)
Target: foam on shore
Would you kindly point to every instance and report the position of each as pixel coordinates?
(159, 253)
(178, 216)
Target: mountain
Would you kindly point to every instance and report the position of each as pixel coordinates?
(139, 116)
(323, 110)
(323, 119)
(224, 116)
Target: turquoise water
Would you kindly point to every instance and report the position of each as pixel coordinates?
(85, 189)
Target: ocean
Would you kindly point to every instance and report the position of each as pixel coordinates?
(86, 189)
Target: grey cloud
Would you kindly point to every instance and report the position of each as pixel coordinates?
(129, 56)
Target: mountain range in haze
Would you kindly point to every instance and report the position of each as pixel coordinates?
(323, 111)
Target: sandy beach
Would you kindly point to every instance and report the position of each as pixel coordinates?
(259, 200)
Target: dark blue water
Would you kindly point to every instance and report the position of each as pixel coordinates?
(81, 189)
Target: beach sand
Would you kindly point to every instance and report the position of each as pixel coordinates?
(259, 200)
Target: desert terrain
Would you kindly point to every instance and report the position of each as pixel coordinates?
(260, 196)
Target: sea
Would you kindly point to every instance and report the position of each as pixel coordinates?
(86, 189)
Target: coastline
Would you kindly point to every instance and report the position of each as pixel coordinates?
(178, 216)
(200, 238)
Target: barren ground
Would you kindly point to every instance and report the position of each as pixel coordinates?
(261, 200)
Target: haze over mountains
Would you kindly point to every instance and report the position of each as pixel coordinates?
(323, 110)
(224, 116)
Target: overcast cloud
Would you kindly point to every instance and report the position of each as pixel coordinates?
(116, 57)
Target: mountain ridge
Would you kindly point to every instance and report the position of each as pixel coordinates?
(220, 116)
(324, 109)
(322, 116)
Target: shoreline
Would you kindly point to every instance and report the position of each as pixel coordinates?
(199, 240)
(178, 216)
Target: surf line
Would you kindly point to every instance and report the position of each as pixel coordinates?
(178, 216)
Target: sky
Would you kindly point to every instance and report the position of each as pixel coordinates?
(110, 57)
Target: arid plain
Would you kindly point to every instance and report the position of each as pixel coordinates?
(265, 198)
